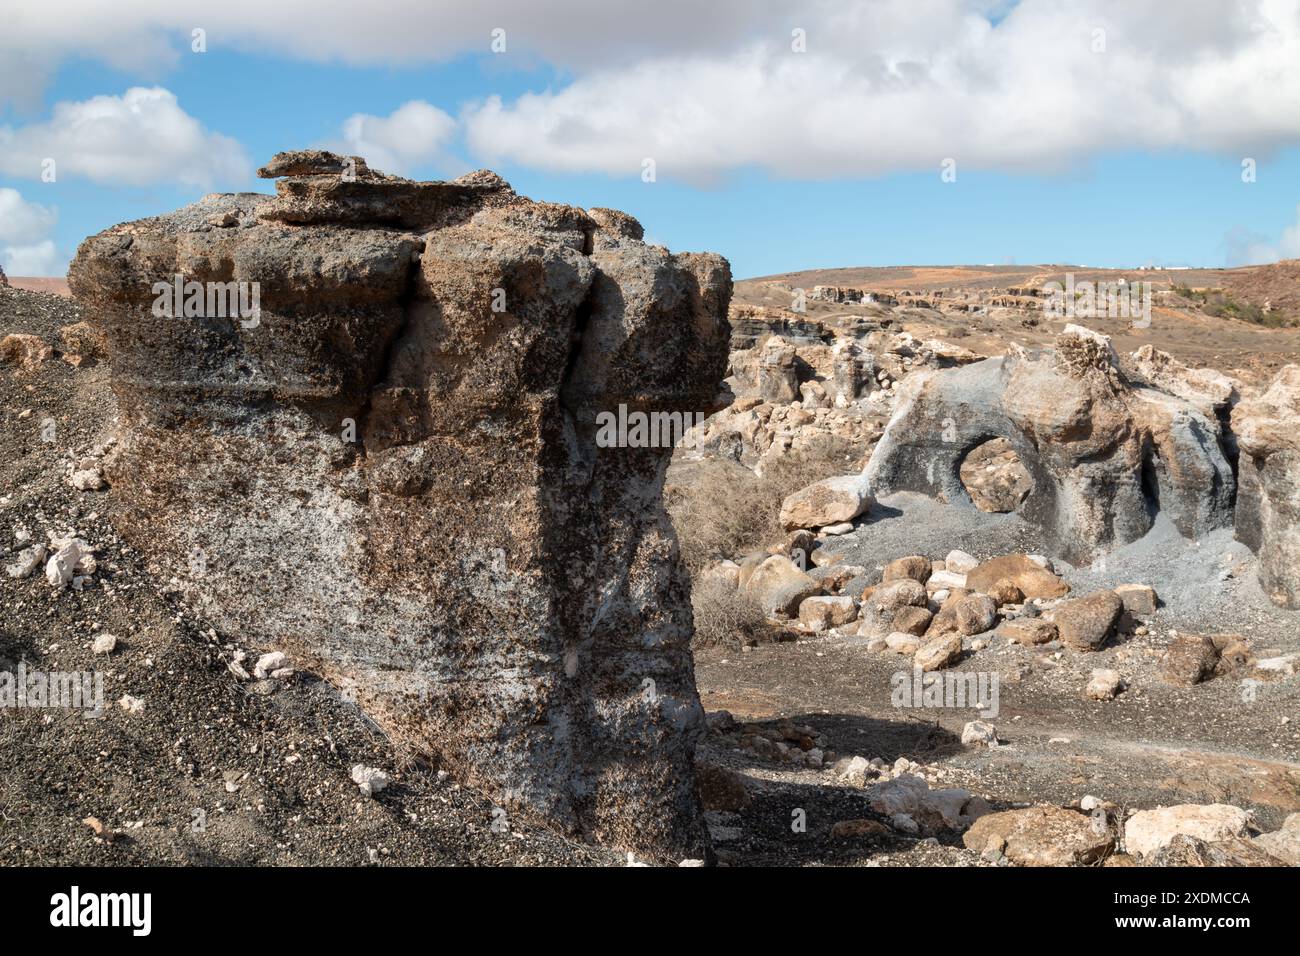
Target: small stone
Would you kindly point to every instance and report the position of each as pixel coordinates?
(938, 652)
(945, 580)
(904, 823)
(960, 562)
(819, 612)
(1188, 660)
(859, 828)
(979, 733)
(721, 788)
(1005, 592)
(855, 772)
(88, 480)
(975, 614)
(101, 831)
(1104, 684)
(59, 570)
(132, 705)
(28, 560)
(370, 780)
(1137, 598)
(269, 662)
(1086, 623)
(915, 567)
(902, 643)
(103, 644)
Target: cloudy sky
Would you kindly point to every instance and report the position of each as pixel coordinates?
(783, 135)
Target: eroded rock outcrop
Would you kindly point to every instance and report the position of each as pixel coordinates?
(1267, 427)
(388, 466)
(1105, 455)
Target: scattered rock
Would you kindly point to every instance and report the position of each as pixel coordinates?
(1033, 580)
(370, 780)
(1283, 843)
(915, 567)
(24, 352)
(820, 613)
(1138, 599)
(27, 561)
(88, 479)
(268, 663)
(61, 567)
(960, 562)
(1148, 830)
(929, 810)
(1188, 660)
(975, 614)
(1105, 684)
(979, 733)
(1086, 623)
(1186, 850)
(1028, 631)
(912, 620)
(1041, 836)
(101, 831)
(1005, 592)
(857, 829)
(826, 502)
(938, 652)
(945, 580)
(855, 771)
(103, 644)
(902, 643)
(721, 788)
(779, 587)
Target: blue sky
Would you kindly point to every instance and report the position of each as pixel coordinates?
(1102, 178)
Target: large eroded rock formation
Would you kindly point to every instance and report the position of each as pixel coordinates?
(1105, 454)
(1267, 426)
(391, 471)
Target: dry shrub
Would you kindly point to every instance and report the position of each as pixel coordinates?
(724, 514)
(724, 615)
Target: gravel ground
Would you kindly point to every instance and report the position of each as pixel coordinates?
(1227, 740)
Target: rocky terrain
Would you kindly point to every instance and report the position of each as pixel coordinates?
(936, 578)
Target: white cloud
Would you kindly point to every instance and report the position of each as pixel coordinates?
(146, 37)
(38, 259)
(1248, 249)
(903, 86)
(140, 138)
(705, 88)
(22, 221)
(25, 227)
(414, 134)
